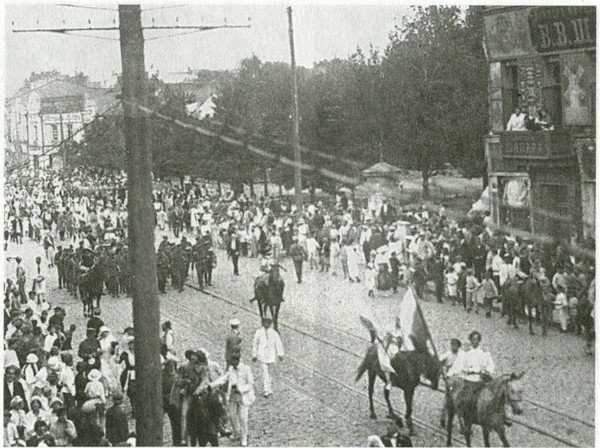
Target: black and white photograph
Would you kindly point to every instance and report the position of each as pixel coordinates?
(359, 223)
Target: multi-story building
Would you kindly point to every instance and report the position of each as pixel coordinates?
(543, 181)
(50, 111)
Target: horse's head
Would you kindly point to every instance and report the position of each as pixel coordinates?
(514, 392)
(213, 401)
(509, 388)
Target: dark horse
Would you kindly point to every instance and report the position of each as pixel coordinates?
(533, 298)
(204, 416)
(268, 293)
(409, 367)
(484, 407)
(91, 286)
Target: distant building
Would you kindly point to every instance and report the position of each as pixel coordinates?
(49, 111)
(543, 181)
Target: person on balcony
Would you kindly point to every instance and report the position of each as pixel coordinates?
(517, 121)
(543, 121)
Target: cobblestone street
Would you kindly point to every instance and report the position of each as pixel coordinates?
(316, 401)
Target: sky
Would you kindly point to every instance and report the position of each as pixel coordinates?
(321, 32)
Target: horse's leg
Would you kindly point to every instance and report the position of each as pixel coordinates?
(486, 435)
(386, 395)
(408, 400)
(467, 432)
(502, 435)
(372, 378)
(449, 423)
(530, 318)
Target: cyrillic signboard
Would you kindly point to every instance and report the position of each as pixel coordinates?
(562, 28)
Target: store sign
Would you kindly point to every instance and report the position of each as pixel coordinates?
(71, 103)
(562, 28)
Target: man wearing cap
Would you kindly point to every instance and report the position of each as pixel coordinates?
(13, 388)
(163, 267)
(266, 347)
(474, 367)
(298, 254)
(233, 343)
(233, 249)
(95, 322)
(117, 428)
(89, 348)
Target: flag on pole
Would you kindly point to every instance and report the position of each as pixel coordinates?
(413, 325)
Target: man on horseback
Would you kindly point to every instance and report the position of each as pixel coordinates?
(470, 371)
(389, 345)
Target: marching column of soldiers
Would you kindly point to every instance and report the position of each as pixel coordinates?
(176, 260)
(112, 260)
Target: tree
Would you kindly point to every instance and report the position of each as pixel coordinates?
(435, 91)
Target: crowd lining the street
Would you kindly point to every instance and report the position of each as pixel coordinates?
(54, 395)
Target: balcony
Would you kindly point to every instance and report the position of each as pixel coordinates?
(535, 144)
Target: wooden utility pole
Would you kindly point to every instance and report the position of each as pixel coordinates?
(295, 119)
(146, 311)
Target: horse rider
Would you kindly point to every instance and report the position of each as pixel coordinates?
(474, 367)
(387, 348)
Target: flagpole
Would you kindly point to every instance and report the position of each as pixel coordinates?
(435, 353)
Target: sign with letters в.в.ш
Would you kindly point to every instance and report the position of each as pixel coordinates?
(562, 28)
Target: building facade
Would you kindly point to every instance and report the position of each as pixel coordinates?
(42, 119)
(543, 181)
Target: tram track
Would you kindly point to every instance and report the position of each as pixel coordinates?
(332, 329)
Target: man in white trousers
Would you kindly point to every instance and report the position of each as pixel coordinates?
(240, 396)
(266, 347)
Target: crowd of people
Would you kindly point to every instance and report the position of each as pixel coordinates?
(80, 219)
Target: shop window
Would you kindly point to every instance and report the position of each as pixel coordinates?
(552, 92)
(510, 89)
(55, 133)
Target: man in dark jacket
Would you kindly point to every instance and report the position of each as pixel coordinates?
(13, 388)
(117, 428)
(298, 254)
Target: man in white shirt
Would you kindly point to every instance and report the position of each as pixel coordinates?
(266, 346)
(240, 396)
(474, 365)
(516, 121)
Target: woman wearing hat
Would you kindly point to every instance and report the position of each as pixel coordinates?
(108, 365)
(39, 411)
(30, 370)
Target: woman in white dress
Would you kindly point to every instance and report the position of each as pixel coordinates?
(108, 360)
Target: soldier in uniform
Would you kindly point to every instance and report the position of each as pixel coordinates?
(163, 266)
(164, 244)
(200, 254)
(211, 263)
(111, 272)
(178, 268)
(123, 264)
(60, 267)
(187, 252)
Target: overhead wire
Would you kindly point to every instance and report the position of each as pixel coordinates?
(87, 7)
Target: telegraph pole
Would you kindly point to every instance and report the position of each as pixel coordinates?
(146, 311)
(295, 119)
